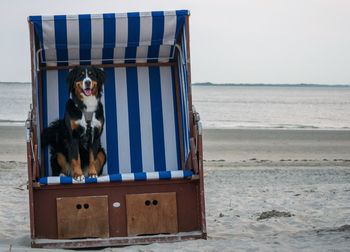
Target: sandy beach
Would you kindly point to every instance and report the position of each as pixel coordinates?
(266, 190)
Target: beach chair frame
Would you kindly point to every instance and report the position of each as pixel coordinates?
(188, 193)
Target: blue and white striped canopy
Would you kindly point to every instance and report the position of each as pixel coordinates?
(108, 38)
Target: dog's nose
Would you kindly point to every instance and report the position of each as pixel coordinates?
(87, 83)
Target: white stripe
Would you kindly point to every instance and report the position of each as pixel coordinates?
(119, 54)
(168, 119)
(103, 136)
(74, 181)
(128, 177)
(48, 26)
(177, 174)
(152, 175)
(53, 180)
(169, 28)
(52, 103)
(164, 53)
(145, 29)
(141, 54)
(122, 120)
(96, 38)
(103, 179)
(121, 30)
(73, 39)
(145, 119)
(52, 96)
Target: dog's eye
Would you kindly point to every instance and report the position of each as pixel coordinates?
(90, 72)
(82, 74)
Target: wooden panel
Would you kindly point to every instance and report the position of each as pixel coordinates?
(82, 217)
(151, 213)
(187, 200)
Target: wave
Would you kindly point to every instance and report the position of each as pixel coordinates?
(227, 125)
(269, 85)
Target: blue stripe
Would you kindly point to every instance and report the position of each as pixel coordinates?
(134, 119)
(165, 175)
(140, 176)
(157, 119)
(66, 180)
(63, 91)
(180, 21)
(85, 39)
(90, 180)
(109, 34)
(44, 106)
(153, 54)
(133, 29)
(157, 35)
(178, 153)
(43, 181)
(183, 110)
(133, 37)
(38, 29)
(115, 178)
(111, 122)
(186, 105)
(61, 39)
(187, 173)
(157, 27)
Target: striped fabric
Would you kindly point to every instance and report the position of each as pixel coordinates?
(141, 128)
(141, 176)
(108, 38)
(141, 133)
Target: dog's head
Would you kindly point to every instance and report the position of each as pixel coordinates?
(86, 81)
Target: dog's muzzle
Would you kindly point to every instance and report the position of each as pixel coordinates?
(87, 86)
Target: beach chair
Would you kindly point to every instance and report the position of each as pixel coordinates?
(151, 188)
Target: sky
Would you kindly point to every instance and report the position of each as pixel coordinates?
(232, 41)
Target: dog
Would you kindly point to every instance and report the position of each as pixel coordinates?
(74, 141)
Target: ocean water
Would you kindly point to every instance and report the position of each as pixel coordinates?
(15, 99)
(315, 107)
(292, 107)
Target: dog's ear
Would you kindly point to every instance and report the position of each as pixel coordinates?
(71, 77)
(100, 74)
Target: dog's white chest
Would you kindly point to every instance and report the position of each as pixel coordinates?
(90, 103)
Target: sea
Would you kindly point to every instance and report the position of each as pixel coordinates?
(233, 106)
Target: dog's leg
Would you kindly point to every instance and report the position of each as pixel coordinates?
(96, 158)
(96, 162)
(92, 165)
(64, 165)
(100, 161)
(74, 160)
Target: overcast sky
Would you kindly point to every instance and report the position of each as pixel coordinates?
(232, 41)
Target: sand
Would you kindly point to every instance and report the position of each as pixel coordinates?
(298, 180)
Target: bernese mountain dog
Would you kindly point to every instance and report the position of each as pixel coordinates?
(74, 141)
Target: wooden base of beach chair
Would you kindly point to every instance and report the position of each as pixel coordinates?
(117, 214)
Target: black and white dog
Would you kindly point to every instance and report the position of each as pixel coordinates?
(75, 140)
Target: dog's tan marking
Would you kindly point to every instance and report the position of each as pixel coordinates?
(76, 167)
(92, 165)
(73, 124)
(95, 165)
(100, 160)
(62, 162)
(94, 88)
(78, 90)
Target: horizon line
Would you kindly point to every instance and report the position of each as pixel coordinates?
(234, 84)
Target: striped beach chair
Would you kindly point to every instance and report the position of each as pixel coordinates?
(151, 188)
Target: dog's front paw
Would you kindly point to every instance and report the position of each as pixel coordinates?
(92, 171)
(78, 176)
